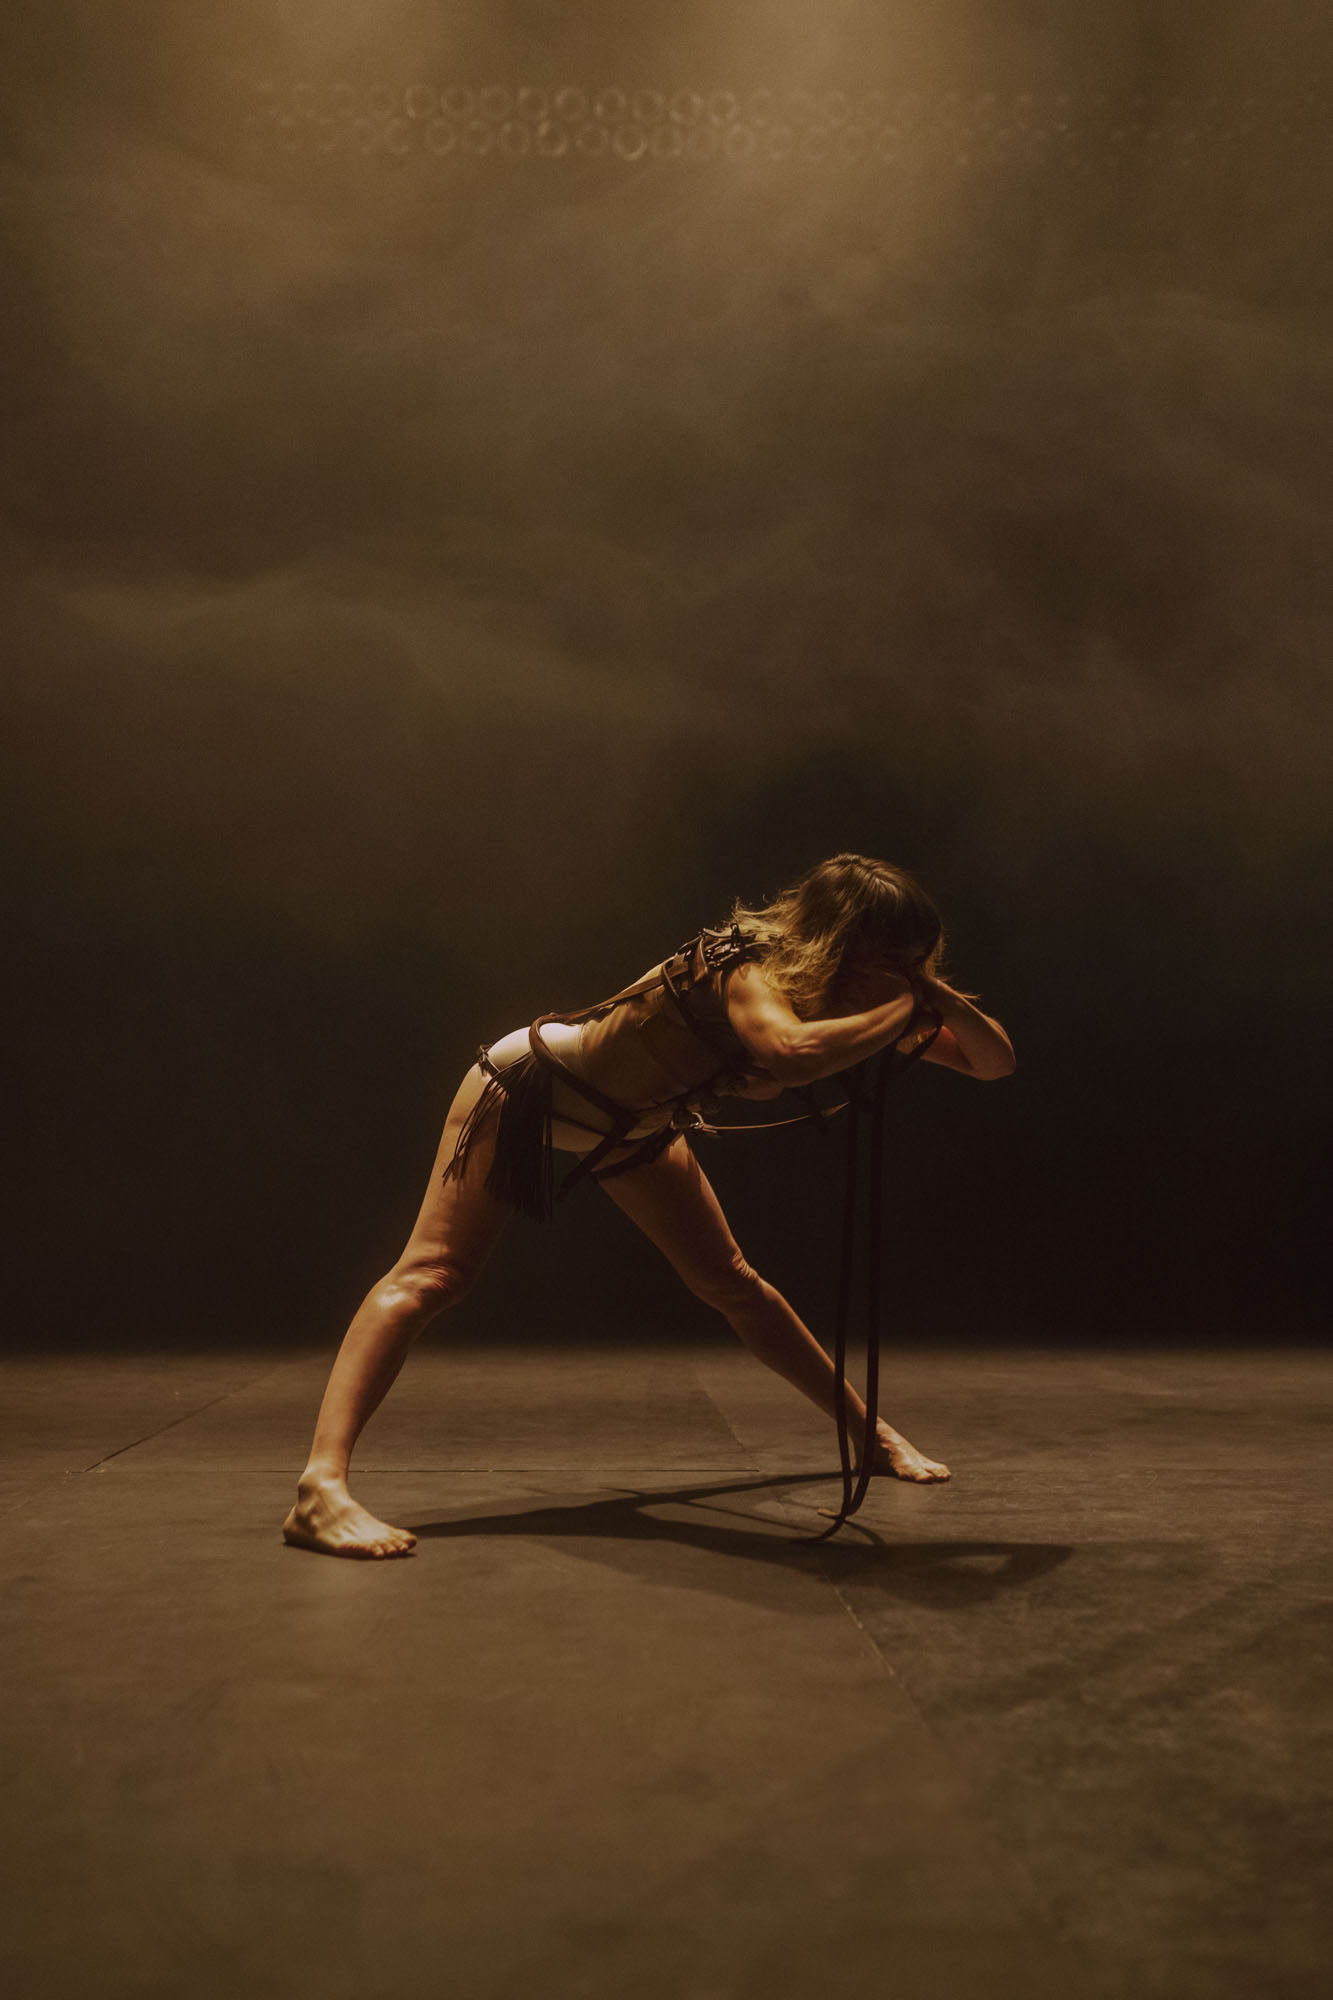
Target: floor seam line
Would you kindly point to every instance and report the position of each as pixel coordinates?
(1012, 1875)
(613, 1473)
(183, 1418)
(750, 1457)
(881, 1656)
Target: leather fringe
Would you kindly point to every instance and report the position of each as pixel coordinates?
(490, 1096)
(522, 1170)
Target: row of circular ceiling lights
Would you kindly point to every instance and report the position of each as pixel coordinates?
(815, 144)
(613, 106)
(553, 141)
(609, 106)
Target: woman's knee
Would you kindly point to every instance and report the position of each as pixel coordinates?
(729, 1288)
(424, 1287)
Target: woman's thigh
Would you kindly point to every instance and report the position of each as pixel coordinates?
(673, 1203)
(460, 1220)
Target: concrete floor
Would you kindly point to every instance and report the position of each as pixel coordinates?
(618, 1729)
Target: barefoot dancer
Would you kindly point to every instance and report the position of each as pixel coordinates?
(843, 964)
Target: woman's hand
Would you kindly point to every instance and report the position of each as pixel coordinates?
(858, 988)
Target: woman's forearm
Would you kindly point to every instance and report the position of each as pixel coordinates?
(822, 1048)
(981, 1040)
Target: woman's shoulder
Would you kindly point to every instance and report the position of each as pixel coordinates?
(731, 945)
(704, 964)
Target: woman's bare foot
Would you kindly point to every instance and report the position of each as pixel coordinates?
(327, 1518)
(901, 1460)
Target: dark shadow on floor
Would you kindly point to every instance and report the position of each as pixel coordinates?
(946, 1576)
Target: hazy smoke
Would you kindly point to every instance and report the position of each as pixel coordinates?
(523, 559)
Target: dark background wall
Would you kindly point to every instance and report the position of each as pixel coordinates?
(487, 483)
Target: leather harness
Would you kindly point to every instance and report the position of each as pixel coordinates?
(523, 1088)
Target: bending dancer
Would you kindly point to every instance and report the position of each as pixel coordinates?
(841, 965)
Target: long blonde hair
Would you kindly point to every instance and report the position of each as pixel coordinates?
(808, 929)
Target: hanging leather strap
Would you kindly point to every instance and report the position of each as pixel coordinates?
(867, 1088)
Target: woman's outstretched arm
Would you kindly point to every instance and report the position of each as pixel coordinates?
(794, 1051)
(797, 1051)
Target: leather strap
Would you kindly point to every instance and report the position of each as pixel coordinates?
(622, 1120)
(867, 1089)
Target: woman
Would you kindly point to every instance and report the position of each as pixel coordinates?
(843, 964)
